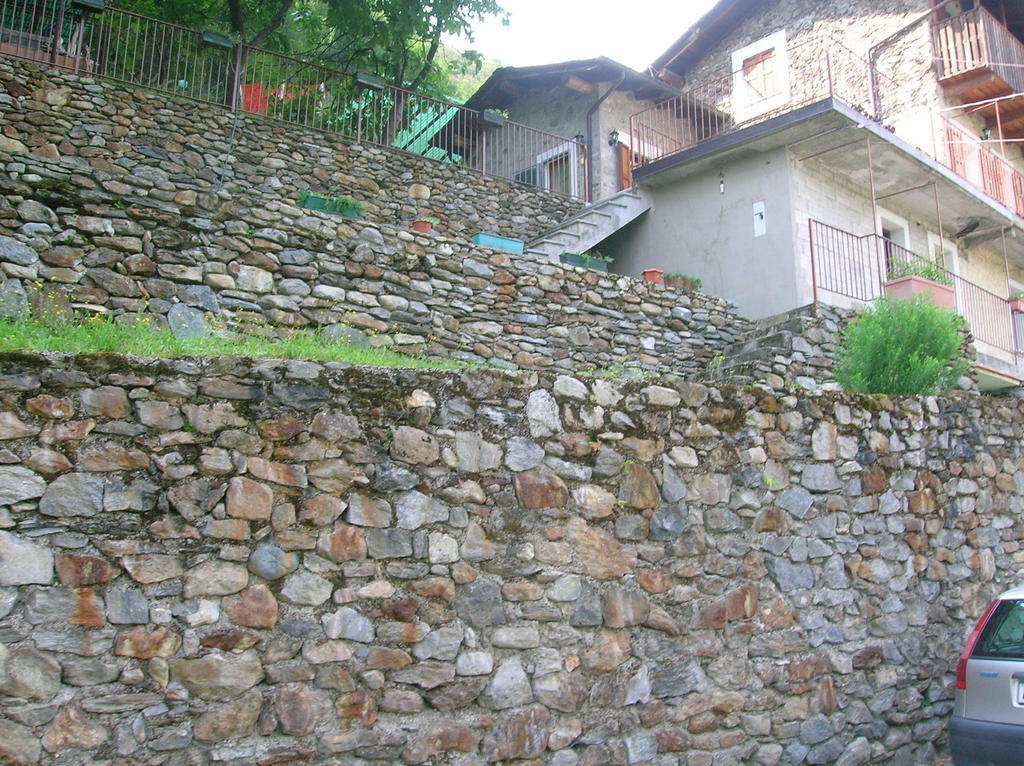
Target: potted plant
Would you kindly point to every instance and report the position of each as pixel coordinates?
(683, 281)
(424, 223)
(595, 261)
(1017, 303)
(652, 275)
(343, 206)
(909, 278)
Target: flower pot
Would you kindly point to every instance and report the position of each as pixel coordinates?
(423, 227)
(907, 287)
(1017, 304)
(496, 242)
(578, 259)
(652, 275)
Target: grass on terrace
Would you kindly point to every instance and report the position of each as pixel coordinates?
(102, 335)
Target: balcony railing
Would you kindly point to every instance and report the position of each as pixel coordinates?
(137, 50)
(805, 73)
(966, 155)
(857, 267)
(977, 40)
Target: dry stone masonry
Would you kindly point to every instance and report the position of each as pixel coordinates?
(110, 198)
(256, 561)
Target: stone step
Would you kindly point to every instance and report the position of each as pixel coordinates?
(802, 311)
(781, 341)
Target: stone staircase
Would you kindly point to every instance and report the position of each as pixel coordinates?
(797, 346)
(591, 226)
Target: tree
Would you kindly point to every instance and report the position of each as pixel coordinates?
(254, 22)
(399, 39)
(901, 346)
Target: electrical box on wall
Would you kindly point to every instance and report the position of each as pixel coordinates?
(760, 222)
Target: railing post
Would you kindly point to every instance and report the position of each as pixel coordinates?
(814, 270)
(57, 29)
(584, 151)
(483, 152)
(236, 78)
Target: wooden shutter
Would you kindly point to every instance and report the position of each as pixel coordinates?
(625, 166)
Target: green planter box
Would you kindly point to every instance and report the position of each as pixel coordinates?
(575, 259)
(495, 242)
(331, 207)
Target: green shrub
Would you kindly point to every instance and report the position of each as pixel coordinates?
(902, 347)
(921, 268)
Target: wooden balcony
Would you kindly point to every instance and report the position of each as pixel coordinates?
(980, 59)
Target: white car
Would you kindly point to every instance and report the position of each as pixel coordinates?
(987, 728)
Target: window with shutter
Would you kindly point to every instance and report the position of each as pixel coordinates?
(760, 77)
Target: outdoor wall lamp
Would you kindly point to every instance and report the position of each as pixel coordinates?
(89, 6)
(613, 138)
(579, 138)
(986, 134)
(214, 40)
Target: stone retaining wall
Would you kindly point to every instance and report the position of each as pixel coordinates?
(115, 207)
(239, 561)
(125, 145)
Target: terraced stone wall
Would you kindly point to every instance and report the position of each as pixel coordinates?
(109, 198)
(256, 561)
(127, 147)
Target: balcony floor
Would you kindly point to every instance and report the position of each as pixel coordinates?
(983, 84)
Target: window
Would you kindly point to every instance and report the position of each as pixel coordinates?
(1003, 636)
(943, 252)
(760, 77)
(558, 170)
(895, 232)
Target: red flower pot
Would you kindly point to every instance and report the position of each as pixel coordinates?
(652, 275)
(423, 227)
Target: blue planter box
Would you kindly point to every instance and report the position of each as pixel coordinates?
(495, 242)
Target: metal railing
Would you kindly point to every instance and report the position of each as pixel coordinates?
(133, 49)
(857, 267)
(976, 39)
(804, 73)
(47, 31)
(966, 155)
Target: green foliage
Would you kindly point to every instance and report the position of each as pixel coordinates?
(329, 204)
(428, 219)
(902, 347)
(401, 39)
(920, 268)
(678, 279)
(99, 334)
(281, 25)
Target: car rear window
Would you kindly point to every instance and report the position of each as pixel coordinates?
(1003, 636)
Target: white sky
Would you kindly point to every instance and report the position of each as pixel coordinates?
(632, 32)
